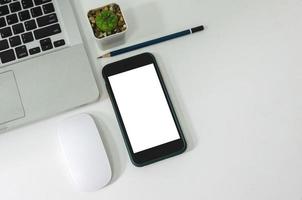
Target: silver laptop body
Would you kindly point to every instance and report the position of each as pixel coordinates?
(50, 72)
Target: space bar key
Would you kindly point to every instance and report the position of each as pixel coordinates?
(47, 31)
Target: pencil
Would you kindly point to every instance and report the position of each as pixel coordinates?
(152, 42)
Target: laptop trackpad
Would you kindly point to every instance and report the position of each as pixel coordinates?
(11, 107)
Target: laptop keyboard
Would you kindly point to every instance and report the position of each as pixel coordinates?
(28, 28)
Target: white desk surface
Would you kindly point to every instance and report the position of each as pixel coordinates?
(237, 88)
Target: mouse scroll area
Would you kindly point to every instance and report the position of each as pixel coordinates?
(11, 107)
(84, 153)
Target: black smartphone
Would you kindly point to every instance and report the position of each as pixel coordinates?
(144, 110)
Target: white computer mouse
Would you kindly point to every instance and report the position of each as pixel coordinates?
(84, 152)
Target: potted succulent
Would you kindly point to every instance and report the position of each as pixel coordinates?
(107, 22)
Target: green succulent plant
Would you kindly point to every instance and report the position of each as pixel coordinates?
(106, 21)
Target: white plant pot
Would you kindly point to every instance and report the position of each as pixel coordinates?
(113, 38)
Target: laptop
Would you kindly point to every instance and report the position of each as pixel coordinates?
(44, 68)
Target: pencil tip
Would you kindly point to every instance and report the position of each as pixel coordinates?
(105, 55)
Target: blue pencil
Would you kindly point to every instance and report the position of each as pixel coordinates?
(152, 42)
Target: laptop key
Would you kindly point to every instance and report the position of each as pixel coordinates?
(24, 15)
(2, 22)
(4, 1)
(46, 44)
(27, 37)
(34, 51)
(47, 31)
(27, 3)
(36, 12)
(7, 56)
(3, 45)
(4, 10)
(59, 43)
(46, 20)
(6, 32)
(18, 28)
(15, 41)
(15, 7)
(12, 19)
(48, 8)
(30, 25)
(39, 2)
(21, 51)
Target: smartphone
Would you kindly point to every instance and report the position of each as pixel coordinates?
(144, 111)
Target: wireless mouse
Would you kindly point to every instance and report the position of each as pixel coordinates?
(84, 152)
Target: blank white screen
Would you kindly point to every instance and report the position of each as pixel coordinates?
(144, 108)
